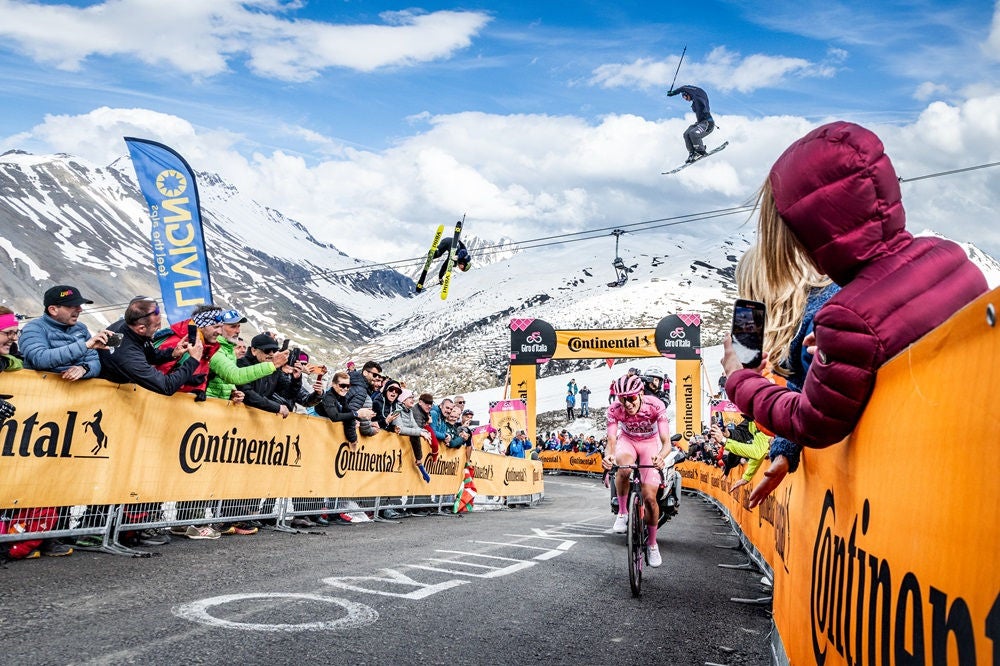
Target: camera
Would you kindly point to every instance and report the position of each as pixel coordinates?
(114, 339)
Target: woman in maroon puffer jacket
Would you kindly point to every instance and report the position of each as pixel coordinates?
(834, 196)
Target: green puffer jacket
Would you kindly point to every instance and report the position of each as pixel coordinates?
(224, 375)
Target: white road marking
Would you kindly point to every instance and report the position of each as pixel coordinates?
(357, 615)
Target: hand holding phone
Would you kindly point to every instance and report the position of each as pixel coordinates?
(748, 332)
(192, 332)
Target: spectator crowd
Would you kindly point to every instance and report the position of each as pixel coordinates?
(207, 357)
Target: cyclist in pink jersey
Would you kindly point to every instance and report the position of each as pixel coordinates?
(638, 431)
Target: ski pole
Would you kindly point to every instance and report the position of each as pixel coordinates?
(678, 68)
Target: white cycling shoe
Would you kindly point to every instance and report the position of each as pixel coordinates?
(621, 524)
(654, 556)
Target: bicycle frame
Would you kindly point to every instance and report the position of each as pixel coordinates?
(637, 551)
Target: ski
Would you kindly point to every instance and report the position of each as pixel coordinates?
(430, 258)
(687, 164)
(446, 282)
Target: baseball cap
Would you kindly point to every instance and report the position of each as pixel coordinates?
(264, 342)
(405, 395)
(63, 294)
(467, 411)
(232, 317)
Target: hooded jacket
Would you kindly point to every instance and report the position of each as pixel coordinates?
(838, 193)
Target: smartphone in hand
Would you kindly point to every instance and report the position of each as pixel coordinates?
(748, 332)
(192, 333)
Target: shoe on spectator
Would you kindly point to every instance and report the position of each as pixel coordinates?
(320, 520)
(654, 555)
(391, 514)
(179, 530)
(228, 529)
(243, 529)
(345, 517)
(89, 541)
(153, 537)
(55, 548)
(201, 532)
(301, 522)
(621, 524)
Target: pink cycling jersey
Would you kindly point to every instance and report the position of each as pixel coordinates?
(640, 435)
(648, 423)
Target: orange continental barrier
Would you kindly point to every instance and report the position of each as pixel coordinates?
(885, 546)
(571, 462)
(94, 442)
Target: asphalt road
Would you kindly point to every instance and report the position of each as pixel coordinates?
(545, 585)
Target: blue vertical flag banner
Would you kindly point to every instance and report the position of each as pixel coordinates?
(176, 235)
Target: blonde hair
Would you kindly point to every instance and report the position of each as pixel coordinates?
(778, 272)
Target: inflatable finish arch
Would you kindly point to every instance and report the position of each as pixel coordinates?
(678, 337)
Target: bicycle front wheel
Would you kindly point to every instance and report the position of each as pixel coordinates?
(636, 544)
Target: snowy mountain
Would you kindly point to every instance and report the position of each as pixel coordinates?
(63, 220)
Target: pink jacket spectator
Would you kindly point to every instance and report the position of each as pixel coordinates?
(838, 193)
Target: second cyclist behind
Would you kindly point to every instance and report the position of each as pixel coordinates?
(638, 432)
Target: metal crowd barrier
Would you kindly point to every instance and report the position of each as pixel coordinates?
(110, 524)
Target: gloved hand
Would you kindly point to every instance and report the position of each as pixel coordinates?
(6, 410)
(671, 93)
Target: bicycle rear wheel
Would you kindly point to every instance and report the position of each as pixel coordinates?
(636, 543)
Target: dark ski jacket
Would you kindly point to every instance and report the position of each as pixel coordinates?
(838, 193)
(699, 102)
(134, 361)
(270, 392)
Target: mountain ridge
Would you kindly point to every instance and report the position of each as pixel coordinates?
(64, 220)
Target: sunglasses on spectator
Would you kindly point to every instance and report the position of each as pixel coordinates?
(392, 390)
(343, 385)
(459, 402)
(154, 311)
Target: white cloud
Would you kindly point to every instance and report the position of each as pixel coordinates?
(722, 69)
(526, 176)
(202, 38)
(991, 49)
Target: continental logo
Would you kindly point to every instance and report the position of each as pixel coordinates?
(775, 512)
(576, 344)
(515, 475)
(873, 611)
(687, 414)
(483, 472)
(441, 466)
(548, 457)
(32, 438)
(361, 460)
(199, 447)
(574, 460)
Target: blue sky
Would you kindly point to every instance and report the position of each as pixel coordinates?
(371, 122)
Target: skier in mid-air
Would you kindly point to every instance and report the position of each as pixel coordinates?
(462, 256)
(703, 125)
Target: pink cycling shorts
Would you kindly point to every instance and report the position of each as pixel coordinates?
(642, 452)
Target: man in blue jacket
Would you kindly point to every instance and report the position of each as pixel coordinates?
(57, 341)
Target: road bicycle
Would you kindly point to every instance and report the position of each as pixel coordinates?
(637, 551)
